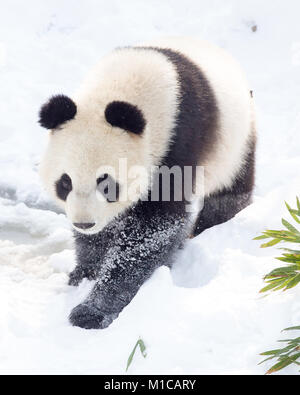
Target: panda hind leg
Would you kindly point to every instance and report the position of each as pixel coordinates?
(222, 206)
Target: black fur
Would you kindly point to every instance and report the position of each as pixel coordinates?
(56, 111)
(63, 187)
(125, 116)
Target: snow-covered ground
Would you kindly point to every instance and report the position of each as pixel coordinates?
(205, 316)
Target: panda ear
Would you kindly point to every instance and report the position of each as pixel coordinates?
(56, 111)
(125, 116)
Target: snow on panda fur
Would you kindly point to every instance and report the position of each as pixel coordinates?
(173, 102)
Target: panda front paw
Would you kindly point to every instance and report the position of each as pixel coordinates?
(78, 274)
(75, 277)
(88, 316)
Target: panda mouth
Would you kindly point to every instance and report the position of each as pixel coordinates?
(84, 225)
(86, 228)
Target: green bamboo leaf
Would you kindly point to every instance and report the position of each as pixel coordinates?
(293, 213)
(131, 356)
(277, 285)
(296, 252)
(282, 286)
(292, 256)
(142, 346)
(288, 259)
(292, 328)
(278, 233)
(279, 366)
(267, 359)
(269, 287)
(283, 363)
(290, 227)
(287, 270)
(275, 279)
(292, 342)
(274, 352)
(298, 204)
(291, 239)
(270, 243)
(284, 235)
(261, 237)
(293, 282)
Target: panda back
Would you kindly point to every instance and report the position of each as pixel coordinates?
(235, 132)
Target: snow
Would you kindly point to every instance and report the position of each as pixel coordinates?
(205, 316)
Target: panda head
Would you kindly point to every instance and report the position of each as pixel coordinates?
(92, 148)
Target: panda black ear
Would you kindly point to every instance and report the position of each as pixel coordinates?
(125, 116)
(56, 111)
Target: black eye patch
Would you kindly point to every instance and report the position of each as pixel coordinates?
(125, 116)
(63, 187)
(109, 188)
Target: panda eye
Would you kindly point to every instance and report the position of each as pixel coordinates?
(63, 187)
(66, 182)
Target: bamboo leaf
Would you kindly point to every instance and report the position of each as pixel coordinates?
(283, 235)
(269, 287)
(267, 359)
(131, 356)
(287, 270)
(279, 233)
(288, 259)
(290, 227)
(293, 282)
(297, 252)
(276, 352)
(261, 237)
(142, 346)
(283, 363)
(283, 285)
(270, 243)
(292, 328)
(293, 213)
(292, 256)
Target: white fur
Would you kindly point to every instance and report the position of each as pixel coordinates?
(146, 79)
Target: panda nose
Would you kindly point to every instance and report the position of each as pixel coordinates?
(84, 225)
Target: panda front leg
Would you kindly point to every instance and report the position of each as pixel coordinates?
(142, 243)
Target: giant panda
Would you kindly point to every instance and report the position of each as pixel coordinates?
(171, 102)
